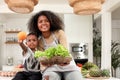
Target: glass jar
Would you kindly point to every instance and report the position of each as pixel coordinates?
(9, 61)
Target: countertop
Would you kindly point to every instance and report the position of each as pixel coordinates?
(6, 78)
(9, 78)
(111, 78)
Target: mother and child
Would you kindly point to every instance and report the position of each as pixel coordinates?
(45, 31)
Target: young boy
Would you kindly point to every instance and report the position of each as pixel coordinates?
(31, 64)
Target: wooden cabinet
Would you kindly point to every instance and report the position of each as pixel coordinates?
(11, 37)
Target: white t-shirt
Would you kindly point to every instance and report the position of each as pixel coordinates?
(70, 67)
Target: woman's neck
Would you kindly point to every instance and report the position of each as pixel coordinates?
(34, 49)
(46, 34)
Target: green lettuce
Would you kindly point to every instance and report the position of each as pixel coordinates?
(59, 50)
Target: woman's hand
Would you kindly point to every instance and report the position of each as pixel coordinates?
(64, 64)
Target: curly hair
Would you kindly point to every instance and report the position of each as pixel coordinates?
(55, 22)
(32, 33)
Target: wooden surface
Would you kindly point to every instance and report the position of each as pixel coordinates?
(9, 78)
(101, 78)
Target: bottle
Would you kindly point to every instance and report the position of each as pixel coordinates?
(10, 61)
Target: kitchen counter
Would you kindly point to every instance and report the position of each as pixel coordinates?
(6, 78)
(9, 78)
(102, 79)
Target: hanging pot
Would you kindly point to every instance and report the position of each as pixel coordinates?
(102, 1)
(72, 2)
(86, 7)
(35, 2)
(21, 6)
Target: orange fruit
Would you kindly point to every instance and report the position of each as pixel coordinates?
(22, 35)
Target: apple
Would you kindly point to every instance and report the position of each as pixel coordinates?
(79, 65)
(20, 66)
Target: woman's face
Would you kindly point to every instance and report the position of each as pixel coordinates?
(43, 24)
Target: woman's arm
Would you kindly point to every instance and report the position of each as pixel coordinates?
(62, 37)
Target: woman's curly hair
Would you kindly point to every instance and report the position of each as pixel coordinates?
(55, 22)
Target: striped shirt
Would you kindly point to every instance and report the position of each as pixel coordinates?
(30, 62)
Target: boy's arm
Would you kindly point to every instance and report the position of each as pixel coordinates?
(23, 46)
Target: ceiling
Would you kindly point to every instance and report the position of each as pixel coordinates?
(115, 13)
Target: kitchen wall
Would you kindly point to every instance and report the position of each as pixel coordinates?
(1, 31)
(116, 37)
(77, 28)
(115, 34)
(12, 22)
(116, 30)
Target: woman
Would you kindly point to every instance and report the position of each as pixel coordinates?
(49, 29)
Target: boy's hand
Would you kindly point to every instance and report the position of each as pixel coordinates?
(20, 41)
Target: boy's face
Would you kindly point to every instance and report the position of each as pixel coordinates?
(32, 41)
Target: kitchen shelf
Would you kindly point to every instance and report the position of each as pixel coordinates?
(11, 42)
(12, 31)
(11, 36)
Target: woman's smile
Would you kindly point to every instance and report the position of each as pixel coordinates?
(43, 24)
